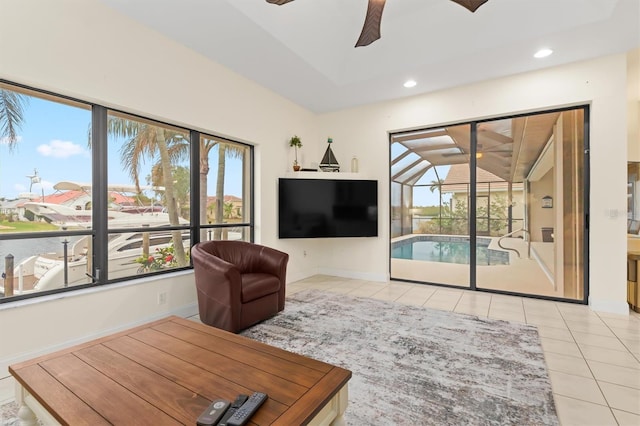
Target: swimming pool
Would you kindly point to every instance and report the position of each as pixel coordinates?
(447, 249)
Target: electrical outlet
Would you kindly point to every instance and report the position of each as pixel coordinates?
(304, 253)
(162, 298)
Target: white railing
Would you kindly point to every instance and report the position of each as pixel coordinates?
(510, 235)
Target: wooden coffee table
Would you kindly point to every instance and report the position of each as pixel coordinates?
(167, 372)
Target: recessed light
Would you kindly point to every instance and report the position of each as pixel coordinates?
(410, 83)
(543, 53)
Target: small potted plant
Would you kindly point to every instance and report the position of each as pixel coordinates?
(296, 143)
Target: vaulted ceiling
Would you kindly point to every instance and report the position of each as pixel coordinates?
(304, 50)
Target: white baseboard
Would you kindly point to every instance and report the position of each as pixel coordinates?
(610, 306)
(182, 311)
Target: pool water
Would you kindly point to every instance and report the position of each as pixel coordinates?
(447, 251)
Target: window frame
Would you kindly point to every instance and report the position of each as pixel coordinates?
(99, 230)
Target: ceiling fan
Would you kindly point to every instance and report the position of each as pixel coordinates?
(371, 28)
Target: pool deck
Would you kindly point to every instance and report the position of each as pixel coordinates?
(532, 275)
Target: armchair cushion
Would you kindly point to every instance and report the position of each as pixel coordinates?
(257, 285)
(238, 283)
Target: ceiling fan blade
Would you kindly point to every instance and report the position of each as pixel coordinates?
(279, 2)
(472, 5)
(371, 28)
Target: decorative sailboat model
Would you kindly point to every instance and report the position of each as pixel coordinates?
(329, 162)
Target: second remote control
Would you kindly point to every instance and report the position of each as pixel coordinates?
(245, 412)
(239, 401)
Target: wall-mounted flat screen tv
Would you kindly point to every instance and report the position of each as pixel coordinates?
(327, 208)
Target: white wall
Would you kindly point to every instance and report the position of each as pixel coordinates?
(602, 83)
(85, 50)
(633, 102)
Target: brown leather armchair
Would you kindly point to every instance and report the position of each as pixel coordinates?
(238, 283)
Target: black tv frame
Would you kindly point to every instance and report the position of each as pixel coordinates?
(327, 208)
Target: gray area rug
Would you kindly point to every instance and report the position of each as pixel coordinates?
(8, 414)
(419, 366)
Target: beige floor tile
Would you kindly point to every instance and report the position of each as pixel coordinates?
(606, 342)
(626, 332)
(542, 320)
(503, 306)
(560, 347)
(625, 418)
(390, 293)
(595, 353)
(567, 364)
(443, 294)
(622, 322)
(573, 412)
(578, 387)
(7, 389)
(355, 283)
(587, 316)
(552, 315)
(555, 333)
(585, 327)
(506, 315)
(340, 290)
(364, 291)
(632, 345)
(442, 305)
(294, 289)
(468, 296)
(484, 304)
(478, 311)
(629, 317)
(416, 297)
(411, 301)
(616, 374)
(621, 397)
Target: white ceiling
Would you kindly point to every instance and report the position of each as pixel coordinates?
(304, 50)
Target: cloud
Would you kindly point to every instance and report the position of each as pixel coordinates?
(60, 149)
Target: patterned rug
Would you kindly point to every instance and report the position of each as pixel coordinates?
(8, 413)
(419, 366)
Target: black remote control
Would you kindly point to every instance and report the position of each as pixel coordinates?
(245, 412)
(241, 399)
(212, 414)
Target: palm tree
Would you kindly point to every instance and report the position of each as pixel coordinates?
(224, 149)
(11, 115)
(229, 210)
(147, 140)
(437, 184)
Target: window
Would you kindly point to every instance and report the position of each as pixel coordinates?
(148, 187)
(225, 192)
(90, 196)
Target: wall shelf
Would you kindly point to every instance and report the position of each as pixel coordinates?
(325, 175)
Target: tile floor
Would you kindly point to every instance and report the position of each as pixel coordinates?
(593, 358)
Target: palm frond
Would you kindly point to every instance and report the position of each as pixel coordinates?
(11, 115)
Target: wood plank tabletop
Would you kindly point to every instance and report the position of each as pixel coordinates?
(168, 371)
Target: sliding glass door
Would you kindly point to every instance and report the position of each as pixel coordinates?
(495, 205)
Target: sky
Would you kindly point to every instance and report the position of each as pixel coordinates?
(422, 195)
(53, 140)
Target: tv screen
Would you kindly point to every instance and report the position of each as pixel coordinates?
(327, 208)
